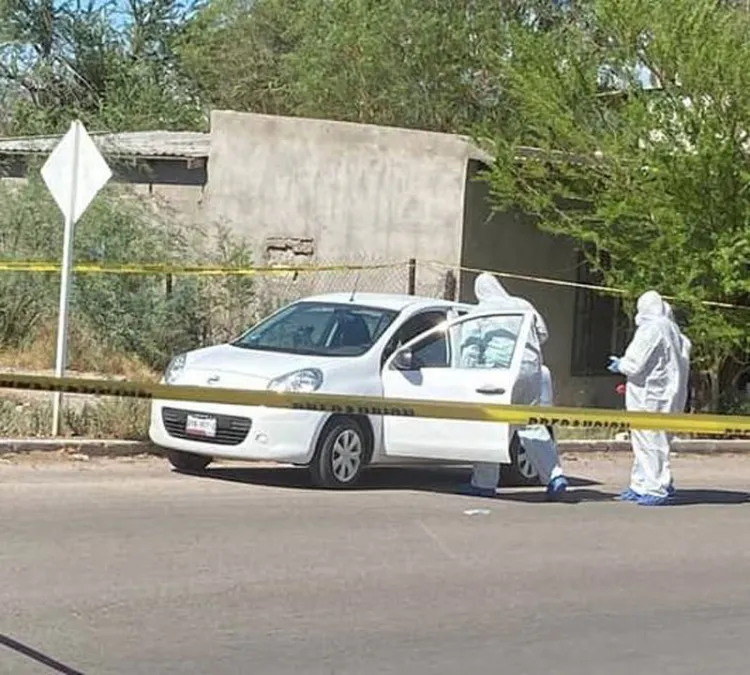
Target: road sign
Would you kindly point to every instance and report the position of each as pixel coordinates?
(74, 173)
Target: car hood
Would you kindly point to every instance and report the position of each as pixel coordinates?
(243, 368)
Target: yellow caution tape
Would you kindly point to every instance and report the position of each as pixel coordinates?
(218, 270)
(188, 270)
(609, 290)
(576, 418)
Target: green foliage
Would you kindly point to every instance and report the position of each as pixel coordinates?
(411, 63)
(233, 50)
(654, 174)
(132, 314)
(110, 66)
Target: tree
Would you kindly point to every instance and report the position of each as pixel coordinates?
(641, 114)
(112, 68)
(233, 50)
(410, 63)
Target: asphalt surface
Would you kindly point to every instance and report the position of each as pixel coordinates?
(125, 567)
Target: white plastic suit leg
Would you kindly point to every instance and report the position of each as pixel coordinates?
(541, 450)
(651, 473)
(486, 475)
(539, 445)
(637, 477)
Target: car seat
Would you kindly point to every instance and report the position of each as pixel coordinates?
(352, 331)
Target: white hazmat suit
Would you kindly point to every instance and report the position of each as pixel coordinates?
(653, 365)
(537, 441)
(684, 387)
(686, 349)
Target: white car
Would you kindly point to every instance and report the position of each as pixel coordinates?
(365, 344)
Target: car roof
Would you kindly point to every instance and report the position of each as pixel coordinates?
(392, 301)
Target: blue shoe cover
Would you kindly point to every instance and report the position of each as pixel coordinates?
(557, 488)
(470, 490)
(629, 495)
(671, 490)
(652, 500)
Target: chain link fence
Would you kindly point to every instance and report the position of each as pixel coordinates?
(125, 313)
(130, 321)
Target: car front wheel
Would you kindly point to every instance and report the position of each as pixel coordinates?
(341, 456)
(188, 461)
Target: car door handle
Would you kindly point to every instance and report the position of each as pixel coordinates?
(487, 389)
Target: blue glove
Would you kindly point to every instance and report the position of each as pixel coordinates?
(614, 364)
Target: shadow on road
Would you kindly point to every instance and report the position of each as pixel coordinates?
(693, 497)
(446, 481)
(378, 478)
(574, 496)
(689, 497)
(33, 654)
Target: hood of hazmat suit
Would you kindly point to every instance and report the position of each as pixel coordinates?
(491, 293)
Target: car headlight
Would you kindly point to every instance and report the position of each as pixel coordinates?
(305, 380)
(175, 367)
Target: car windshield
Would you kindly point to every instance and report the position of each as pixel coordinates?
(319, 329)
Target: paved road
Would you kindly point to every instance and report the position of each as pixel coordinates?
(113, 567)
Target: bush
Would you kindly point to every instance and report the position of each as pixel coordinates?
(124, 419)
(139, 315)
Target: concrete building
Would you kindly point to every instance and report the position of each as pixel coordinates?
(306, 192)
(168, 166)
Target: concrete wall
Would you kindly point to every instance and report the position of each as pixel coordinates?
(510, 242)
(174, 186)
(181, 203)
(307, 191)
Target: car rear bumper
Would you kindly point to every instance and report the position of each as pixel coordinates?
(242, 432)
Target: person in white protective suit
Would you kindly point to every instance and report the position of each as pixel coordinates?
(654, 365)
(537, 441)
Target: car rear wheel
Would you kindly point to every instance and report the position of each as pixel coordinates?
(343, 452)
(188, 461)
(520, 472)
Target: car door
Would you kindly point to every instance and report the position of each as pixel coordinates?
(485, 357)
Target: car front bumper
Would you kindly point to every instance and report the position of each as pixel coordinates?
(242, 432)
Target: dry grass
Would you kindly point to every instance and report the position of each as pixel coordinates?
(85, 355)
(26, 414)
(125, 419)
(563, 434)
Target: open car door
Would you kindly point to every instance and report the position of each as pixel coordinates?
(483, 357)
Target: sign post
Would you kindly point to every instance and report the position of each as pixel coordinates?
(74, 173)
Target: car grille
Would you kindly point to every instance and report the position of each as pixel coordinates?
(230, 430)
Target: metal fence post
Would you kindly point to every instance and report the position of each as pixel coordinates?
(412, 282)
(449, 290)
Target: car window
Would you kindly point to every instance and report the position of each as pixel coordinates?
(413, 326)
(486, 342)
(479, 342)
(319, 329)
(432, 352)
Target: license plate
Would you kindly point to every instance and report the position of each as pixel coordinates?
(200, 426)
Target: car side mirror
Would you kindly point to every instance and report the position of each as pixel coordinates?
(404, 360)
